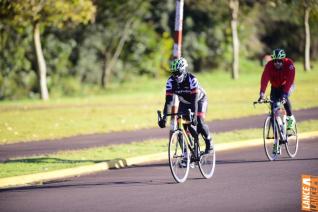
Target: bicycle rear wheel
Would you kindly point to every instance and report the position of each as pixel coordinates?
(207, 164)
(269, 138)
(292, 143)
(179, 157)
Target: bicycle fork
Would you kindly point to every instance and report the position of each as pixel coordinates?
(280, 129)
(182, 144)
(276, 134)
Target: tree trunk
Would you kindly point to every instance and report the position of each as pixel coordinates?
(40, 62)
(107, 55)
(108, 66)
(307, 39)
(234, 7)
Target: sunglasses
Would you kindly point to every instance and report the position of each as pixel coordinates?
(176, 73)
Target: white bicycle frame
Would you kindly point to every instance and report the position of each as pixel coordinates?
(280, 119)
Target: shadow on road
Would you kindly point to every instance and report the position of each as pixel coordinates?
(282, 159)
(69, 183)
(66, 184)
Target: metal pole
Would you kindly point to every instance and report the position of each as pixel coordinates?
(177, 53)
(178, 29)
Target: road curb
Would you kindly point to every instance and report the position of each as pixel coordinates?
(39, 178)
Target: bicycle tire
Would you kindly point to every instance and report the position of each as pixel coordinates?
(179, 157)
(292, 143)
(269, 138)
(207, 164)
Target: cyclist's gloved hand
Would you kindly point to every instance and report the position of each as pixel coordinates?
(261, 97)
(162, 122)
(284, 98)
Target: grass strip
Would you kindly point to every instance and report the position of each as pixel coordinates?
(133, 106)
(68, 159)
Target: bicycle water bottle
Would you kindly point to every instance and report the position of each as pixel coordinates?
(278, 117)
(279, 121)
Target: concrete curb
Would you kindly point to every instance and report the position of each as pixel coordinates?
(39, 178)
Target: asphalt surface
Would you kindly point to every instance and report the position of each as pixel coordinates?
(243, 181)
(97, 140)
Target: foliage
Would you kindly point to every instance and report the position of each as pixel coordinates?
(23, 13)
(49, 12)
(134, 38)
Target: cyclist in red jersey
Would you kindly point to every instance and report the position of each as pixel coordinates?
(280, 72)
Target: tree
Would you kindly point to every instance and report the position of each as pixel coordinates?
(45, 13)
(308, 6)
(116, 21)
(234, 7)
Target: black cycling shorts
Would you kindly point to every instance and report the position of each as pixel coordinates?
(202, 107)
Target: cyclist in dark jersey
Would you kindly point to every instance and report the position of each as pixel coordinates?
(191, 96)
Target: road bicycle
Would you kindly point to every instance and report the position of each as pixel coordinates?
(184, 151)
(275, 132)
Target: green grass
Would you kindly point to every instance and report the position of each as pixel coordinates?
(133, 106)
(68, 159)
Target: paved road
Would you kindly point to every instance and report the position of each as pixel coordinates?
(244, 181)
(80, 142)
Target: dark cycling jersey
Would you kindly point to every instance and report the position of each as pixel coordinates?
(189, 91)
(283, 78)
(192, 96)
(186, 89)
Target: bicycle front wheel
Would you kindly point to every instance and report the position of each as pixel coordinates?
(179, 157)
(292, 143)
(269, 137)
(207, 164)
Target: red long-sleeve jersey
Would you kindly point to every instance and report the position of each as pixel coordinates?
(278, 78)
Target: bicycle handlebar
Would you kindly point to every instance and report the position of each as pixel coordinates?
(263, 101)
(266, 100)
(190, 114)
